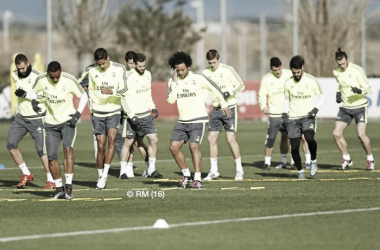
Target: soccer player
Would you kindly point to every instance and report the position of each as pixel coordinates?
(127, 170)
(229, 81)
(353, 86)
(58, 87)
(272, 92)
(188, 90)
(137, 103)
(105, 109)
(301, 91)
(27, 121)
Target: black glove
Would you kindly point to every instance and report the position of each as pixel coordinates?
(312, 114)
(35, 106)
(135, 120)
(74, 119)
(356, 90)
(20, 92)
(226, 95)
(155, 112)
(284, 118)
(121, 117)
(339, 97)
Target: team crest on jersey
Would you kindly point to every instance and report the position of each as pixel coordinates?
(114, 74)
(307, 85)
(29, 81)
(221, 75)
(194, 82)
(349, 75)
(64, 88)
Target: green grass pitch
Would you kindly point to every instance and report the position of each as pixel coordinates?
(267, 210)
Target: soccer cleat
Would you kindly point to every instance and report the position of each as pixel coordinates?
(307, 166)
(370, 165)
(184, 182)
(301, 176)
(211, 175)
(101, 183)
(24, 179)
(68, 192)
(313, 168)
(281, 165)
(345, 164)
(59, 193)
(49, 185)
(123, 176)
(266, 167)
(155, 174)
(239, 175)
(197, 184)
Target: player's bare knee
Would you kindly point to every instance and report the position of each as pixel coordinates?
(194, 147)
(174, 149)
(69, 153)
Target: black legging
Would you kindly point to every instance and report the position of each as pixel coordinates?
(295, 144)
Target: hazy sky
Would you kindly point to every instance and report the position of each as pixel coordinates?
(35, 10)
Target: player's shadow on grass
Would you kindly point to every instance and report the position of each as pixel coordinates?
(161, 183)
(46, 194)
(13, 184)
(257, 164)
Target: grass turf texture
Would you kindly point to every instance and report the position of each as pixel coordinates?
(261, 194)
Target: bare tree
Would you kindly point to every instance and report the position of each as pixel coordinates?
(83, 23)
(325, 25)
(148, 28)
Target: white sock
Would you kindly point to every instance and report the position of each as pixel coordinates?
(214, 164)
(370, 158)
(69, 178)
(239, 167)
(49, 177)
(123, 167)
(100, 172)
(267, 160)
(129, 169)
(283, 159)
(291, 161)
(58, 183)
(301, 171)
(186, 172)
(307, 158)
(24, 168)
(347, 157)
(315, 161)
(152, 165)
(105, 169)
(197, 176)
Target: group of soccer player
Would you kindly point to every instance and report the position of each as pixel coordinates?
(123, 112)
(292, 99)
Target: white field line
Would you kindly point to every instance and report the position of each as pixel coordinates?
(186, 224)
(203, 158)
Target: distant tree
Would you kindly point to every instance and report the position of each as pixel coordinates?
(147, 28)
(325, 25)
(83, 24)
